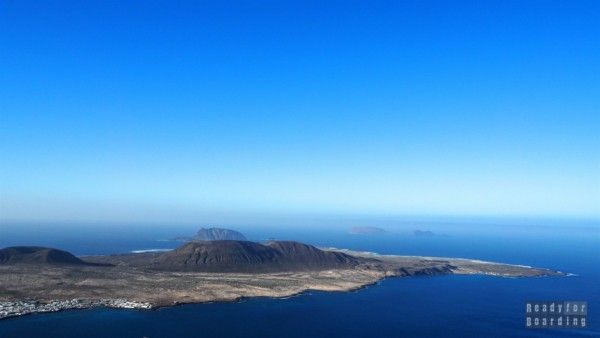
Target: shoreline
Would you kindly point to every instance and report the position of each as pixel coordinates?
(123, 304)
(75, 304)
(29, 289)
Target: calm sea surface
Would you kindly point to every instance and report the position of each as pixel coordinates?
(444, 306)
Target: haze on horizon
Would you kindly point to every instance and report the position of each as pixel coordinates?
(155, 110)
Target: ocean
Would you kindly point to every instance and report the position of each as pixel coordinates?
(440, 306)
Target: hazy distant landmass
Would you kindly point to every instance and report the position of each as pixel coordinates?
(423, 233)
(367, 230)
(218, 234)
(213, 234)
(36, 279)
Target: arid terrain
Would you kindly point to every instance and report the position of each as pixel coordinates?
(144, 281)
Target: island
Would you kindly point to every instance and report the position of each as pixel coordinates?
(367, 230)
(423, 233)
(217, 234)
(214, 234)
(38, 279)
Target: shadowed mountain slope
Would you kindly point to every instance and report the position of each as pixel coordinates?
(299, 255)
(37, 255)
(244, 256)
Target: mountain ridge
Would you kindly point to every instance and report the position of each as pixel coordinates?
(246, 256)
(37, 255)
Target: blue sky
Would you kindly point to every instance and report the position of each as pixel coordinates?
(146, 110)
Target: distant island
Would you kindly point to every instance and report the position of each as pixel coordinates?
(38, 279)
(219, 234)
(423, 233)
(214, 234)
(367, 230)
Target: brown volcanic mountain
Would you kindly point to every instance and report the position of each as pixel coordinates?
(244, 256)
(299, 256)
(37, 255)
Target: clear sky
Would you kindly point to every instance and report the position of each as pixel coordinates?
(143, 109)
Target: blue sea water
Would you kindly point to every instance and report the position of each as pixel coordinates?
(441, 306)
